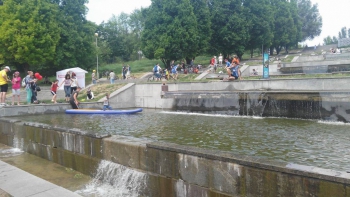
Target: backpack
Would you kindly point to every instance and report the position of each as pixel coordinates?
(24, 84)
(155, 68)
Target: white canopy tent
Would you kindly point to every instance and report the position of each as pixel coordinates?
(80, 75)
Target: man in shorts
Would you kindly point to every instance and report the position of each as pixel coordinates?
(4, 84)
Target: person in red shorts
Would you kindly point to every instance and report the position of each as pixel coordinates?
(54, 87)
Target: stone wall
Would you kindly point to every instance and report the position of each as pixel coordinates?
(68, 147)
(43, 108)
(149, 95)
(173, 170)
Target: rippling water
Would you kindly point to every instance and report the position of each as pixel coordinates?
(307, 142)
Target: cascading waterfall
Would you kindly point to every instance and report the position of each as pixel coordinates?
(330, 106)
(115, 180)
(16, 150)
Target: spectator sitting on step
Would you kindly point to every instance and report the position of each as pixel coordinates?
(89, 94)
(254, 73)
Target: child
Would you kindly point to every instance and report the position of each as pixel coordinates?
(106, 103)
(54, 87)
(16, 87)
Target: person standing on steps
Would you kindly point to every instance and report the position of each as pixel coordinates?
(4, 84)
(93, 77)
(29, 80)
(220, 59)
(74, 83)
(67, 86)
(16, 88)
(112, 77)
(54, 87)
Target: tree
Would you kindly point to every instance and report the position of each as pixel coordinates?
(202, 13)
(75, 47)
(329, 40)
(342, 33)
(30, 33)
(260, 17)
(295, 36)
(170, 32)
(284, 26)
(229, 26)
(311, 19)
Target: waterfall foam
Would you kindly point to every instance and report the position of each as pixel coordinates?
(115, 180)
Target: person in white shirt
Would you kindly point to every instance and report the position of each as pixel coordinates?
(74, 84)
(112, 77)
(220, 59)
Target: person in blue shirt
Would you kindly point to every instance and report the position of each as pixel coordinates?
(174, 71)
(232, 70)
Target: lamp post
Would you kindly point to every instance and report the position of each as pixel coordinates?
(98, 76)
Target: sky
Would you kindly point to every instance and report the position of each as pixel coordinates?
(335, 14)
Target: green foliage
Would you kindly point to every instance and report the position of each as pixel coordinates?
(343, 33)
(260, 18)
(230, 27)
(121, 36)
(284, 26)
(170, 32)
(202, 13)
(310, 18)
(329, 40)
(29, 33)
(75, 46)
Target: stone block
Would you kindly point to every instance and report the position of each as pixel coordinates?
(225, 177)
(328, 189)
(159, 161)
(122, 151)
(289, 185)
(194, 170)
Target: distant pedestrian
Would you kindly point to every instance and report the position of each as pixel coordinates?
(220, 59)
(124, 72)
(93, 77)
(16, 88)
(112, 77)
(128, 72)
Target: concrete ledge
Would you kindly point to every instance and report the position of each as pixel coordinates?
(43, 108)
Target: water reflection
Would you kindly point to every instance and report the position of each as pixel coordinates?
(306, 142)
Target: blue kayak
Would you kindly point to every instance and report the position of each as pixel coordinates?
(98, 111)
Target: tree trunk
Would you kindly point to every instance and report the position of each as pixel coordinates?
(271, 50)
(251, 53)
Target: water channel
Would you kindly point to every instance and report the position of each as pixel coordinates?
(306, 142)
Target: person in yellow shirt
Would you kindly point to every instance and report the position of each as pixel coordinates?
(3, 84)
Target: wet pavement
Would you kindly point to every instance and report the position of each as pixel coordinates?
(23, 174)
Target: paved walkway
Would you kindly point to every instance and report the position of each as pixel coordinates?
(18, 183)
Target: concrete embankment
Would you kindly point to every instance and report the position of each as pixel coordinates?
(174, 170)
